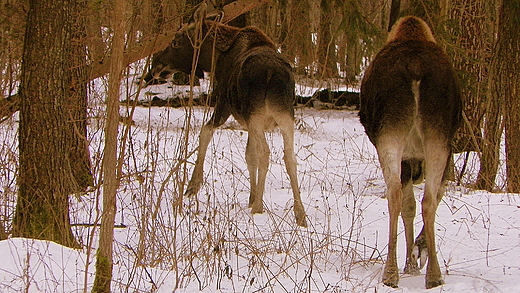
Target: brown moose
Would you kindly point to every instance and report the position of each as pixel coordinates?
(252, 82)
(410, 108)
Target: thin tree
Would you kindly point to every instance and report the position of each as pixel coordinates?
(45, 177)
(104, 257)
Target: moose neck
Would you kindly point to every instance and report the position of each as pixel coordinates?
(206, 55)
(217, 40)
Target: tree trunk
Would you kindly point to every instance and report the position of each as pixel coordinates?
(509, 66)
(473, 35)
(79, 155)
(474, 38)
(295, 35)
(493, 128)
(45, 179)
(326, 43)
(104, 257)
(395, 8)
(484, 105)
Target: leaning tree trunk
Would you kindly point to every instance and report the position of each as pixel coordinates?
(509, 88)
(45, 178)
(138, 51)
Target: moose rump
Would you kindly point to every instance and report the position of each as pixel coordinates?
(411, 108)
(252, 82)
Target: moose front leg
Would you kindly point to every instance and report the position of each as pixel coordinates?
(196, 177)
(220, 115)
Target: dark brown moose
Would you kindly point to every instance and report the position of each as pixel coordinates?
(252, 82)
(411, 108)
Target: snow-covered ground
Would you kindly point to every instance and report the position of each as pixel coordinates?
(212, 243)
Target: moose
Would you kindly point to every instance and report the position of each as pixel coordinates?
(252, 82)
(410, 107)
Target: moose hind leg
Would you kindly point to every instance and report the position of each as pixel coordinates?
(287, 128)
(390, 153)
(252, 167)
(436, 158)
(408, 215)
(257, 158)
(420, 248)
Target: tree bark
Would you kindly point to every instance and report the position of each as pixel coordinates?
(79, 154)
(509, 66)
(473, 37)
(326, 43)
(45, 177)
(295, 33)
(484, 105)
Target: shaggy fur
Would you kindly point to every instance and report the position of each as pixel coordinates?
(410, 108)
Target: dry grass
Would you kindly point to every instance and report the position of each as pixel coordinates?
(212, 242)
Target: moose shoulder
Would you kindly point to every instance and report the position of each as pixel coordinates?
(252, 82)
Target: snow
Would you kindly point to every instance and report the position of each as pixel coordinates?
(213, 244)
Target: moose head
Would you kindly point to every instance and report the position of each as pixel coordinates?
(197, 38)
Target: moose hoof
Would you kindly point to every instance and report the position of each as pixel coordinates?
(434, 283)
(391, 284)
(192, 190)
(420, 251)
(414, 271)
(257, 208)
(411, 268)
(301, 221)
(391, 278)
